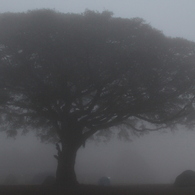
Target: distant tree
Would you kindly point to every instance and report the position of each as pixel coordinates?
(70, 76)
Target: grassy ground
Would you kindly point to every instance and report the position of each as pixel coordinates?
(96, 190)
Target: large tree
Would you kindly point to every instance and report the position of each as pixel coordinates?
(70, 76)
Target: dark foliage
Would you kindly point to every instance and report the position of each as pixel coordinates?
(72, 75)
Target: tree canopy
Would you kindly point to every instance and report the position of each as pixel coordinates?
(72, 75)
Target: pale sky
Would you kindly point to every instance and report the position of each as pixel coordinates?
(174, 17)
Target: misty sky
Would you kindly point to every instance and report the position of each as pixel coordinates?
(162, 155)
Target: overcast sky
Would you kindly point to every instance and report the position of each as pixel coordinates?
(173, 17)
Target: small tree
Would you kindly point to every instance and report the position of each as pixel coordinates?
(72, 75)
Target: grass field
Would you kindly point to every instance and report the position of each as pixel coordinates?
(96, 190)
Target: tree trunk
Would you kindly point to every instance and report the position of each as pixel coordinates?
(65, 174)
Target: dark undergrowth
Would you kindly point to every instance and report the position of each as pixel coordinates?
(97, 190)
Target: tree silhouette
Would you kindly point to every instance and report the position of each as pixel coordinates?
(70, 76)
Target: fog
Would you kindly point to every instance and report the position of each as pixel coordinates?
(157, 157)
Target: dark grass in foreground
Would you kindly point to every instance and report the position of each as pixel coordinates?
(97, 190)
